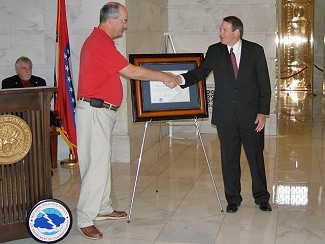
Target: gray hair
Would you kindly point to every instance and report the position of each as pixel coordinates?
(109, 10)
(23, 59)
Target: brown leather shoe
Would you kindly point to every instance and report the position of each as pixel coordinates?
(91, 232)
(113, 215)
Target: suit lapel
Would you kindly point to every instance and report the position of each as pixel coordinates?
(227, 62)
(244, 57)
(18, 83)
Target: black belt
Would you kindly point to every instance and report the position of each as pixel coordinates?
(105, 104)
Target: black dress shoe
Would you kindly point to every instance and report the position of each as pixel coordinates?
(264, 206)
(232, 207)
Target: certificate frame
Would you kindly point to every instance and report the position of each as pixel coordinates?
(152, 102)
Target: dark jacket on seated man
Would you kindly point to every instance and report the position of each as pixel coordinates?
(24, 76)
(15, 82)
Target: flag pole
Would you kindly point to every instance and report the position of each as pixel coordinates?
(71, 162)
(64, 99)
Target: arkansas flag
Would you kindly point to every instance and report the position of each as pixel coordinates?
(64, 101)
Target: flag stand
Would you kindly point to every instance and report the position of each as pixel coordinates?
(70, 162)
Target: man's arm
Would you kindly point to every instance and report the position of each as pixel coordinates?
(263, 81)
(7, 83)
(140, 73)
(195, 75)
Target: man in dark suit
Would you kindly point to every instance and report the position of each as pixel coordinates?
(241, 103)
(24, 77)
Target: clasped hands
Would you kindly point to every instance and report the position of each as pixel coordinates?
(173, 80)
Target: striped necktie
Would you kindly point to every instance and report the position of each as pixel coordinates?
(233, 62)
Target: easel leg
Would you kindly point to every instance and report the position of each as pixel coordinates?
(208, 163)
(158, 160)
(138, 169)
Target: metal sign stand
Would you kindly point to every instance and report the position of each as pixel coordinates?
(164, 47)
(158, 164)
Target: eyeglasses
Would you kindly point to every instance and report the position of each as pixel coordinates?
(124, 21)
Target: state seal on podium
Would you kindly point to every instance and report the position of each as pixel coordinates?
(15, 139)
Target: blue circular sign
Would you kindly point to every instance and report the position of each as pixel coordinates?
(49, 221)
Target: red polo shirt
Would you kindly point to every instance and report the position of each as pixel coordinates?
(100, 63)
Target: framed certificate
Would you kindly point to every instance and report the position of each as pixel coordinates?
(152, 100)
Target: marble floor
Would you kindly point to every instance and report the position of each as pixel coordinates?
(186, 207)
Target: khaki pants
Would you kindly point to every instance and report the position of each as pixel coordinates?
(94, 137)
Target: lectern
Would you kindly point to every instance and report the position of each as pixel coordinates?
(27, 181)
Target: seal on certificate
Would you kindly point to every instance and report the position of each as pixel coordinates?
(15, 139)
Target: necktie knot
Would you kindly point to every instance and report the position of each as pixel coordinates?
(234, 62)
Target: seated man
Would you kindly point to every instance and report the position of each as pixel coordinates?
(24, 77)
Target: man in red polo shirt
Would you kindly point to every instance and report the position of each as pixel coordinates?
(100, 94)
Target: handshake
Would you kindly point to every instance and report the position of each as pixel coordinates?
(172, 80)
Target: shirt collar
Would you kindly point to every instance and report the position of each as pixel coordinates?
(235, 47)
(102, 33)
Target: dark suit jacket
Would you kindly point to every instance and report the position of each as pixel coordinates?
(243, 98)
(14, 82)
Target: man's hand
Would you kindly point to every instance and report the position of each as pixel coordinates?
(260, 121)
(179, 79)
(171, 80)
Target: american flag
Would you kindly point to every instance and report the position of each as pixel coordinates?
(64, 101)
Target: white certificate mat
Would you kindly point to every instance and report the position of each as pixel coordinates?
(160, 93)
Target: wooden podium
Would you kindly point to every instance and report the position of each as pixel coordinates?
(26, 182)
